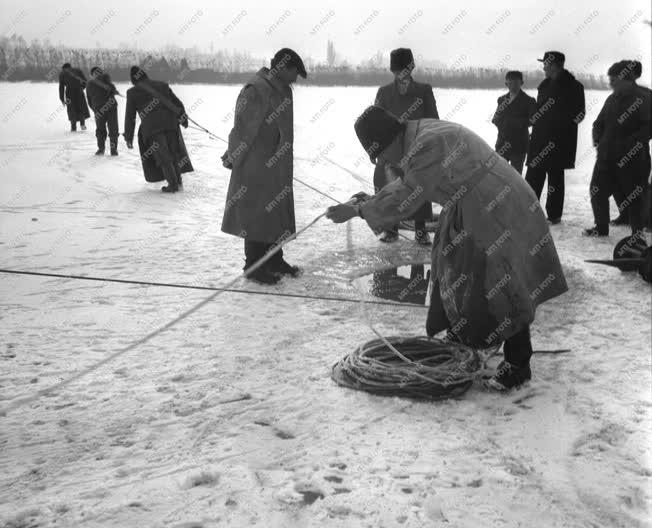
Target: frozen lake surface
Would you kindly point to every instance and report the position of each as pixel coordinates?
(230, 418)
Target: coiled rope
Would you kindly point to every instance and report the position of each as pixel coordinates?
(413, 367)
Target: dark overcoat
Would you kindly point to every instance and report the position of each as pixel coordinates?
(512, 118)
(260, 199)
(101, 93)
(159, 110)
(417, 103)
(560, 108)
(623, 128)
(71, 92)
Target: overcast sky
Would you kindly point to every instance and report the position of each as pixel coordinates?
(465, 32)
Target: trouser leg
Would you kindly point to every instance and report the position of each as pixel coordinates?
(516, 160)
(170, 175)
(112, 124)
(556, 190)
(600, 190)
(536, 177)
(518, 348)
(619, 198)
(630, 183)
(254, 251)
(100, 130)
(380, 180)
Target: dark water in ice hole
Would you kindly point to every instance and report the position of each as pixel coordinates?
(407, 284)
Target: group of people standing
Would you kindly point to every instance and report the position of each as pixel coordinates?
(494, 259)
(621, 135)
(162, 149)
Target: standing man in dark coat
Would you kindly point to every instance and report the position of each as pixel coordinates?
(553, 144)
(160, 142)
(260, 200)
(101, 93)
(406, 99)
(512, 118)
(621, 134)
(71, 94)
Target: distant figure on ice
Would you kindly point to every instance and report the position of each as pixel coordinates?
(621, 134)
(406, 99)
(553, 144)
(260, 200)
(71, 94)
(493, 260)
(512, 118)
(101, 92)
(160, 142)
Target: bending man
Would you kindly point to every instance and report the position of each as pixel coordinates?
(493, 260)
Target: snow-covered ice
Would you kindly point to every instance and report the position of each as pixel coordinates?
(229, 417)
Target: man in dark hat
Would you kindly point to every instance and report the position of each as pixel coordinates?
(260, 200)
(512, 118)
(162, 149)
(101, 92)
(71, 94)
(493, 261)
(553, 144)
(621, 134)
(406, 99)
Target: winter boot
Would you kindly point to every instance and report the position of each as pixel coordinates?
(114, 151)
(389, 236)
(509, 376)
(99, 152)
(283, 268)
(73, 126)
(83, 125)
(169, 189)
(596, 231)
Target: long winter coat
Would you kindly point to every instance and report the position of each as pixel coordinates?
(560, 108)
(71, 92)
(159, 110)
(260, 199)
(493, 258)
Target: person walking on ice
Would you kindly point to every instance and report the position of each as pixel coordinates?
(71, 94)
(160, 142)
(101, 93)
(493, 259)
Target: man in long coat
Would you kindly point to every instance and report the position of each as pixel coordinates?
(406, 99)
(493, 259)
(621, 134)
(71, 94)
(553, 143)
(101, 92)
(512, 118)
(260, 200)
(160, 142)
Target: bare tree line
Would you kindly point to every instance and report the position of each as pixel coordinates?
(41, 61)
